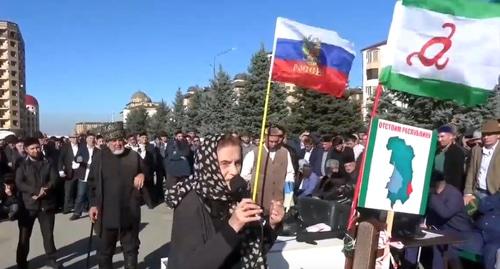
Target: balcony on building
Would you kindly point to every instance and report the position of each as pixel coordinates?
(4, 64)
(4, 94)
(4, 75)
(4, 55)
(4, 45)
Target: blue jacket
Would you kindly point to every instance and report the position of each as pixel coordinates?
(489, 223)
(446, 211)
(315, 161)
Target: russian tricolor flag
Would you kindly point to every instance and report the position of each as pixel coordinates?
(311, 57)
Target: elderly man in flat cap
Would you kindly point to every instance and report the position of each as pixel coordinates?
(116, 183)
(450, 158)
(483, 176)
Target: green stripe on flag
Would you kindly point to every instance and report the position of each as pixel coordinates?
(428, 173)
(474, 9)
(437, 89)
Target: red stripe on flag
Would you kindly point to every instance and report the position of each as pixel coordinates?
(319, 78)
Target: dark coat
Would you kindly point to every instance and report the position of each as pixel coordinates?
(124, 200)
(315, 160)
(31, 176)
(197, 243)
(17, 159)
(66, 157)
(454, 167)
(152, 161)
(83, 154)
(178, 159)
(446, 211)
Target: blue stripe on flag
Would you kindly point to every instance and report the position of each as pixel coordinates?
(332, 56)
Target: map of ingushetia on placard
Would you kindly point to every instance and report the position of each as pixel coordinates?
(399, 186)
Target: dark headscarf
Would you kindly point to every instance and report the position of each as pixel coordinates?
(207, 181)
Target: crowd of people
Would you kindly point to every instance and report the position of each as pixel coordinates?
(209, 182)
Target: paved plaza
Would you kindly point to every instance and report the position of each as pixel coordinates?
(71, 239)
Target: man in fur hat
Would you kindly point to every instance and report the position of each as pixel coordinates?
(116, 182)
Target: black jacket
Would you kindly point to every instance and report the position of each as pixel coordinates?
(178, 159)
(199, 241)
(454, 167)
(31, 176)
(82, 157)
(66, 157)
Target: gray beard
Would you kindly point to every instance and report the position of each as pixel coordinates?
(118, 152)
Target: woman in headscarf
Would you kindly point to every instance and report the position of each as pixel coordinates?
(215, 225)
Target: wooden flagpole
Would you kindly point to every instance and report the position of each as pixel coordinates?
(351, 228)
(263, 127)
(373, 113)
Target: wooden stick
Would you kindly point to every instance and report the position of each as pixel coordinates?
(389, 221)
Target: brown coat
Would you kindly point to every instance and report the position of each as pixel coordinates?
(493, 176)
(273, 178)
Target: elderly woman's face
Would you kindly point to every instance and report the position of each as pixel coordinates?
(229, 158)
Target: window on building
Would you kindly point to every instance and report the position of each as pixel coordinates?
(14, 113)
(13, 73)
(12, 44)
(14, 103)
(372, 56)
(375, 56)
(369, 90)
(15, 123)
(14, 93)
(12, 34)
(14, 83)
(13, 53)
(372, 73)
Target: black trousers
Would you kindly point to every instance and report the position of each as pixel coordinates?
(159, 185)
(129, 239)
(25, 223)
(70, 187)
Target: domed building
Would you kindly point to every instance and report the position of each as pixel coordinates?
(32, 115)
(140, 99)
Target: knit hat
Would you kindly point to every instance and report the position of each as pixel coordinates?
(447, 128)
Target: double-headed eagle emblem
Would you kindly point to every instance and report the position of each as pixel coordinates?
(312, 50)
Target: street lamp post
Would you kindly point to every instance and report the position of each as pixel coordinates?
(220, 54)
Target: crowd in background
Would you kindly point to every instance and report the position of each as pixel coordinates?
(464, 196)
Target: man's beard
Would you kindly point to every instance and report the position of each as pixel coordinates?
(118, 151)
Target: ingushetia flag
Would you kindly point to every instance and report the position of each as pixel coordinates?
(311, 57)
(445, 49)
